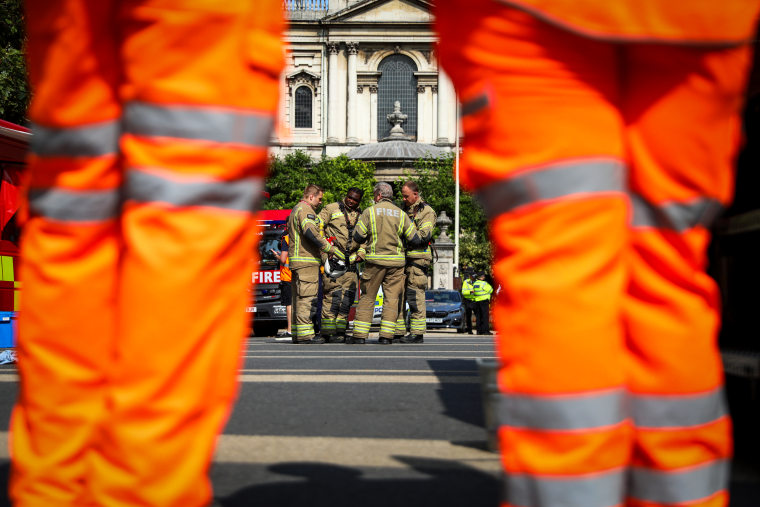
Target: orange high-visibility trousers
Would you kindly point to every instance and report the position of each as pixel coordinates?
(600, 167)
(151, 122)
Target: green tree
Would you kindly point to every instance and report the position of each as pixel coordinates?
(14, 88)
(474, 253)
(290, 175)
(435, 177)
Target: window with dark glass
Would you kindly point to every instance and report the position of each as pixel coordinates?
(397, 83)
(303, 107)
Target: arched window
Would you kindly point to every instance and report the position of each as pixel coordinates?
(397, 82)
(303, 107)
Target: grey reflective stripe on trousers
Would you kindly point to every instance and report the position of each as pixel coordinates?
(551, 182)
(83, 141)
(241, 195)
(577, 412)
(600, 490)
(679, 486)
(674, 411)
(676, 216)
(223, 126)
(74, 205)
(475, 105)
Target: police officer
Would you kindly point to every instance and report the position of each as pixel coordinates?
(338, 220)
(481, 296)
(306, 248)
(467, 298)
(417, 262)
(383, 227)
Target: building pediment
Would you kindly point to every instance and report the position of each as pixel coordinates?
(384, 11)
(302, 77)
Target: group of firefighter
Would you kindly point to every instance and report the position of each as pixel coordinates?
(600, 138)
(393, 246)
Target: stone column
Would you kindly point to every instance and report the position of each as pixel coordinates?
(332, 93)
(352, 48)
(443, 267)
(421, 120)
(443, 108)
(373, 113)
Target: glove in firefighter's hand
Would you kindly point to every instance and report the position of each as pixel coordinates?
(334, 251)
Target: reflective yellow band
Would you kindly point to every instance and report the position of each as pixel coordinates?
(6, 268)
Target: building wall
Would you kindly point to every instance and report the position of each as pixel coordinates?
(376, 30)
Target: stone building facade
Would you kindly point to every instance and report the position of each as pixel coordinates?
(348, 61)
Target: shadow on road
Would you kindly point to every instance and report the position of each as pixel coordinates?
(460, 401)
(448, 484)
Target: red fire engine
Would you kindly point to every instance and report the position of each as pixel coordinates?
(14, 141)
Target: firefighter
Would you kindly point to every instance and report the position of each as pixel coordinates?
(417, 262)
(146, 167)
(305, 261)
(338, 221)
(600, 137)
(467, 298)
(385, 228)
(481, 300)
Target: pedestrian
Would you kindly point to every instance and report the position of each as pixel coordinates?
(385, 228)
(339, 220)
(467, 298)
(286, 293)
(145, 170)
(417, 262)
(481, 299)
(305, 252)
(600, 137)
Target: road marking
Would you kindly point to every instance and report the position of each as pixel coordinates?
(335, 356)
(349, 452)
(337, 371)
(362, 379)
(425, 377)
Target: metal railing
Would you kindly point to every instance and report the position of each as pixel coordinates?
(306, 9)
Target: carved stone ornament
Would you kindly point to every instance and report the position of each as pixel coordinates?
(397, 50)
(373, 88)
(420, 88)
(443, 221)
(332, 48)
(435, 88)
(352, 48)
(397, 118)
(359, 88)
(302, 78)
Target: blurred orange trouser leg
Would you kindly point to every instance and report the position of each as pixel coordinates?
(682, 111)
(70, 250)
(199, 91)
(523, 118)
(197, 122)
(543, 146)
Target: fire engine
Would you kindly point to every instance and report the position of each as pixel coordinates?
(14, 141)
(267, 311)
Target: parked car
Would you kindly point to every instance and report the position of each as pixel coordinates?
(444, 309)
